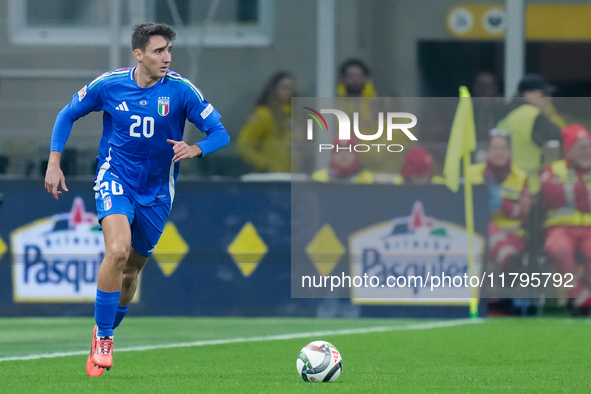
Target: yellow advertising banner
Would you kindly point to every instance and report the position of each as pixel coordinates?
(569, 22)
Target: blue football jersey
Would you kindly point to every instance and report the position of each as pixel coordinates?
(136, 124)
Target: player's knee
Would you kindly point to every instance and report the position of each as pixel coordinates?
(118, 253)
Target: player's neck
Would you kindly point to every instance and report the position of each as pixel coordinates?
(143, 79)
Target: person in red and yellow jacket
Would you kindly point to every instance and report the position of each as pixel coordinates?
(345, 165)
(565, 191)
(509, 198)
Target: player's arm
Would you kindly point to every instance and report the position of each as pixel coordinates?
(54, 177)
(81, 105)
(207, 119)
(217, 138)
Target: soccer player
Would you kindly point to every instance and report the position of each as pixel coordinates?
(144, 112)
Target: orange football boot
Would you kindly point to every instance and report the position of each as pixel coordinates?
(92, 369)
(102, 355)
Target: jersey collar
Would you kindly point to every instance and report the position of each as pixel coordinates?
(132, 72)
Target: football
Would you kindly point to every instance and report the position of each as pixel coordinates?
(319, 361)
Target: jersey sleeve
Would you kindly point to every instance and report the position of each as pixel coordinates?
(87, 100)
(207, 119)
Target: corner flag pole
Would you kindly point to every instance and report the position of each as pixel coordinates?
(462, 141)
(469, 213)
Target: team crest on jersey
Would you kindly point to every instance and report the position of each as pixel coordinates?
(107, 203)
(163, 106)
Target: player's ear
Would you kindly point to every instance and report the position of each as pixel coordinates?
(138, 54)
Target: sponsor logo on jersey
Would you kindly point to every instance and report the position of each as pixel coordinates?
(163, 106)
(82, 93)
(207, 111)
(122, 107)
(143, 102)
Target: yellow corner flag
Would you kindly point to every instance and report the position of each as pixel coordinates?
(462, 141)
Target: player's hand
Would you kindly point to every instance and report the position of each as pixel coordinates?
(54, 177)
(182, 150)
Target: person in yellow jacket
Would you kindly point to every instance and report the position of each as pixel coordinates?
(509, 199)
(345, 165)
(265, 140)
(356, 93)
(532, 120)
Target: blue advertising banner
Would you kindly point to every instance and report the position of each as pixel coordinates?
(53, 250)
(225, 251)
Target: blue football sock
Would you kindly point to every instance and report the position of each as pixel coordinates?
(121, 311)
(105, 309)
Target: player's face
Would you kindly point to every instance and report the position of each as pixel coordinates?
(155, 60)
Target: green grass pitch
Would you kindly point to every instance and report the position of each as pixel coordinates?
(235, 355)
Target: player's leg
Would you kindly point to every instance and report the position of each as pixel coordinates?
(117, 234)
(131, 271)
(116, 213)
(146, 229)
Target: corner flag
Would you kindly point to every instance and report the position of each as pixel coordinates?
(462, 141)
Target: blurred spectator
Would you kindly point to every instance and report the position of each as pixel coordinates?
(485, 85)
(345, 165)
(532, 122)
(487, 104)
(509, 199)
(417, 167)
(264, 142)
(565, 192)
(355, 80)
(357, 94)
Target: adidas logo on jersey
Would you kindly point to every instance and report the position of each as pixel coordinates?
(122, 107)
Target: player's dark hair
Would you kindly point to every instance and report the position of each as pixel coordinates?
(353, 62)
(142, 34)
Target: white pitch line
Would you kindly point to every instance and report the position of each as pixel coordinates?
(350, 331)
